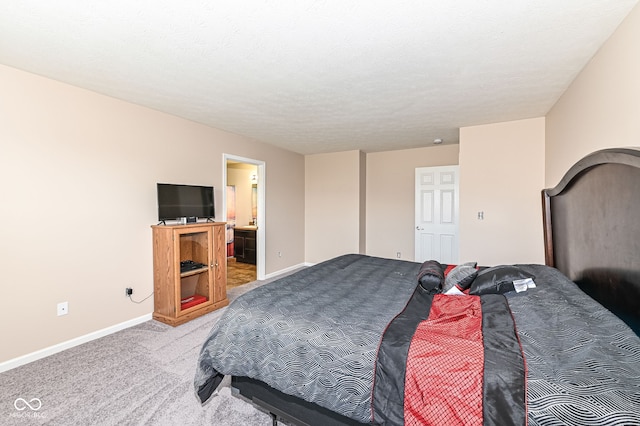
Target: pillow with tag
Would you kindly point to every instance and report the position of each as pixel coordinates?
(497, 280)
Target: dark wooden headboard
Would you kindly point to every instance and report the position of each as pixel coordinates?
(592, 229)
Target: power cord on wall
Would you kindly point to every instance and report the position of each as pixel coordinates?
(138, 302)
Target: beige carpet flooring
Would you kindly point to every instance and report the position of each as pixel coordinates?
(139, 376)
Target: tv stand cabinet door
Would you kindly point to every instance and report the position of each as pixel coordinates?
(219, 251)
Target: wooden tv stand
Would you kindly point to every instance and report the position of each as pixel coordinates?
(206, 285)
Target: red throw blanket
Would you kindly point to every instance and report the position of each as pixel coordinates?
(443, 383)
(448, 360)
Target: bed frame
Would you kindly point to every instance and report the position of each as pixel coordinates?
(286, 407)
(591, 233)
(592, 229)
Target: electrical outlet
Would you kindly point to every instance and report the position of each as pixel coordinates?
(398, 255)
(63, 308)
(128, 291)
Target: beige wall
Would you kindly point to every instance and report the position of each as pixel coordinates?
(333, 197)
(362, 220)
(601, 108)
(78, 173)
(391, 197)
(502, 174)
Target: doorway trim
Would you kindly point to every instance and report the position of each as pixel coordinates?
(260, 233)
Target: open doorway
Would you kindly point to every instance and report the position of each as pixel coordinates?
(243, 208)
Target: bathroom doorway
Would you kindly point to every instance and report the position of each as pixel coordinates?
(243, 206)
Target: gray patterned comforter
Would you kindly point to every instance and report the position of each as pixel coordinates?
(583, 362)
(313, 334)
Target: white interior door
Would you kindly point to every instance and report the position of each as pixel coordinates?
(437, 214)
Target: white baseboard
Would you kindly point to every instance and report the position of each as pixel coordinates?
(42, 353)
(284, 271)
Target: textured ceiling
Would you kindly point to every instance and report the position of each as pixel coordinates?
(317, 76)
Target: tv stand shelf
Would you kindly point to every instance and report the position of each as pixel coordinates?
(182, 296)
(194, 272)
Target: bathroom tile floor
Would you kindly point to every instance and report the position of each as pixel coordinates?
(239, 273)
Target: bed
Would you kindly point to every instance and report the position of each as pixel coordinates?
(360, 339)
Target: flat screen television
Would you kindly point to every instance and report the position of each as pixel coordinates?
(190, 201)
